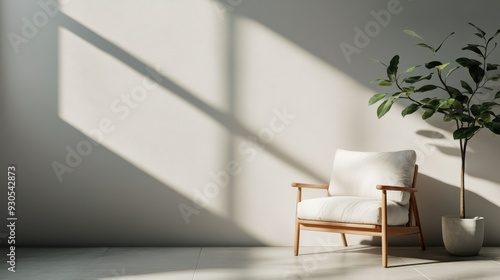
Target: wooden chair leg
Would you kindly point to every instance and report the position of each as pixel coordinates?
(344, 241)
(297, 236)
(384, 250)
(417, 223)
(421, 240)
(384, 228)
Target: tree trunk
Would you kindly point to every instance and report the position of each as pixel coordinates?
(463, 150)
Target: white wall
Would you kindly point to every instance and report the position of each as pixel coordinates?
(247, 95)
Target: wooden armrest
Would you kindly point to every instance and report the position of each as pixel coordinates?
(309, 186)
(394, 188)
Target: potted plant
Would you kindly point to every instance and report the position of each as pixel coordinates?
(470, 105)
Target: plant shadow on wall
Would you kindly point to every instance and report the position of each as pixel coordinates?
(480, 151)
(481, 148)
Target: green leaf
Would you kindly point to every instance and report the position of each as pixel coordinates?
(485, 117)
(385, 83)
(409, 90)
(476, 45)
(426, 88)
(473, 48)
(451, 71)
(494, 47)
(481, 32)
(448, 117)
(428, 77)
(462, 98)
(466, 86)
(494, 35)
(474, 109)
(426, 46)
(393, 68)
(432, 64)
(494, 125)
(454, 91)
(414, 79)
(425, 100)
(434, 103)
(376, 98)
(442, 66)
(465, 132)
(428, 113)
(446, 103)
(477, 73)
(465, 118)
(490, 66)
(444, 41)
(467, 62)
(486, 106)
(384, 107)
(412, 33)
(412, 108)
(411, 68)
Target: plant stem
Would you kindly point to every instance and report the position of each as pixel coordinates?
(444, 83)
(463, 150)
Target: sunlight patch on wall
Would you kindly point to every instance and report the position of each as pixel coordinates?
(183, 38)
(136, 115)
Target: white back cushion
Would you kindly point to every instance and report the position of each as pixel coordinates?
(358, 173)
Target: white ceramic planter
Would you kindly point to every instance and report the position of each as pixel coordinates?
(463, 237)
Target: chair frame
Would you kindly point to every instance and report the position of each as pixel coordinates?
(383, 230)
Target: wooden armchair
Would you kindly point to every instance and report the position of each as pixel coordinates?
(369, 193)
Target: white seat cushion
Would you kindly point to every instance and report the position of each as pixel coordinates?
(358, 173)
(350, 209)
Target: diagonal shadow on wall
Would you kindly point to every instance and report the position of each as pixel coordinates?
(97, 206)
(121, 208)
(225, 119)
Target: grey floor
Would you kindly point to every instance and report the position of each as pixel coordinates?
(263, 263)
